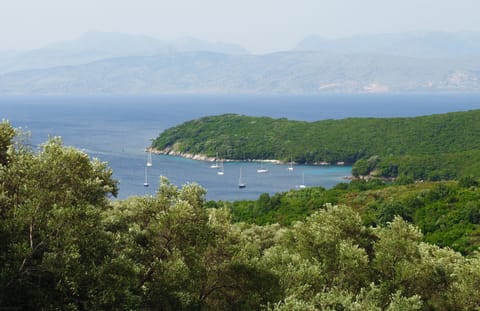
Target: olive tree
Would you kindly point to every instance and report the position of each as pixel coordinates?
(53, 247)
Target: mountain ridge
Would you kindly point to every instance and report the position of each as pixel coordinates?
(93, 46)
(110, 63)
(295, 72)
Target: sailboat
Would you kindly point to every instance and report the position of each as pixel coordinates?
(290, 168)
(215, 165)
(149, 160)
(221, 170)
(262, 169)
(302, 185)
(241, 184)
(145, 184)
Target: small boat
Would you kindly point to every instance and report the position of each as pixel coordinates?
(241, 184)
(215, 165)
(262, 169)
(302, 185)
(221, 170)
(290, 168)
(145, 184)
(149, 160)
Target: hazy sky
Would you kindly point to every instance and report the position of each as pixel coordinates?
(258, 25)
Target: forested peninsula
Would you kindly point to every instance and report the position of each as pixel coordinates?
(435, 147)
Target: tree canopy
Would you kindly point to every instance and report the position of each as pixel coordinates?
(65, 245)
(432, 147)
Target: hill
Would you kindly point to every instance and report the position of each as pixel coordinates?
(294, 72)
(428, 147)
(66, 246)
(93, 46)
(447, 212)
(115, 63)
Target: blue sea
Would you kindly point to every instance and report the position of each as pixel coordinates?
(118, 129)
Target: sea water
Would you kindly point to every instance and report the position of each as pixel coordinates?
(117, 129)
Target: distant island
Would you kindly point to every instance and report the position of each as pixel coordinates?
(111, 63)
(435, 147)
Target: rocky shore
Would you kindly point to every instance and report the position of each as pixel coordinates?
(202, 157)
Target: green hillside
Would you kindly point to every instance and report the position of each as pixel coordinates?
(437, 139)
(64, 245)
(448, 213)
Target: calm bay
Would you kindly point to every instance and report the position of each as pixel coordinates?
(117, 130)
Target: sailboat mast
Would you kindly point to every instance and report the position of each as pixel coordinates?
(149, 159)
(145, 184)
(241, 184)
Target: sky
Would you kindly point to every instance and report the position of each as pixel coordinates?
(260, 26)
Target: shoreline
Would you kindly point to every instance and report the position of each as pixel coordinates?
(205, 158)
(202, 157)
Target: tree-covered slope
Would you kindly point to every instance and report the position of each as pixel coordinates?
(65, 246)
(448, 213)
(348, 140)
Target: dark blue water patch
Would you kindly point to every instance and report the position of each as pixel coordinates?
(185, 107)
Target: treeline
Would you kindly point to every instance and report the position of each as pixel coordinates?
(432, 167)
(447, 213)
(449, 142)
(64, 245)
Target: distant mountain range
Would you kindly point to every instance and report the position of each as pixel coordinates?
(107, 63)
(94, 46)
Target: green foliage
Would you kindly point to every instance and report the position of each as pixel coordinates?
(53, 248)
(464, 291)
(65, 246)
(433, 167)
(447, 213)
(283, 208)
(184, 256)
(432, 147)
(365, 167)
(7, 132)
(398, 273)
(468, 181)
(360, 168)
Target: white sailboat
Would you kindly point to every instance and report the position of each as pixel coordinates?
(302, 185)
(241, 184)
(290, 168)
(262, 169)
(145, 184)
(149, 159)
(221, 170)
(215, 165)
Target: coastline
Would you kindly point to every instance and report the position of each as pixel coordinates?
(202, 157)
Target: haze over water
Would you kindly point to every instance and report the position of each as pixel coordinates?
(117, 130)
